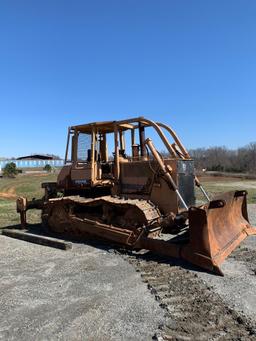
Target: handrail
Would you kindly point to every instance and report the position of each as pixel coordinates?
(166, 172)
(186, 155)
(176, 139)
(161, 134)
(156, 127)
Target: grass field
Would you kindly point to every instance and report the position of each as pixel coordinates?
(23, 185)
(30, 186)
(215, 185)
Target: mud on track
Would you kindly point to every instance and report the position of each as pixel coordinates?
(193, 311)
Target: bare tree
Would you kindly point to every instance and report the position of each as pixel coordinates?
(223, 159)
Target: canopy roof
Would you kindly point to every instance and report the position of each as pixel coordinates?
(107, 126)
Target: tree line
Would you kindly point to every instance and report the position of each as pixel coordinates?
(222, 159)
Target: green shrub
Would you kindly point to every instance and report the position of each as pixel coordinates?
(10, 170)
(48, 168)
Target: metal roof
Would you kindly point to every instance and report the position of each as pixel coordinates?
(36, 157)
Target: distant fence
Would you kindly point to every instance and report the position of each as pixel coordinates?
(33, 163)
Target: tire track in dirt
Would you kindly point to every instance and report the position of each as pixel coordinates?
(193, 311)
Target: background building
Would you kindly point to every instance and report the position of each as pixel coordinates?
(34, 161)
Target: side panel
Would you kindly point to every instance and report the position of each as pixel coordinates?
(64, 176)
(81, 173)
(162, 195)
(141, 179)
(136, 177)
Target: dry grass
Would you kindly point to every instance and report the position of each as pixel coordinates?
(215, 185)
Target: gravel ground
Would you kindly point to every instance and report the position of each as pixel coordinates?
(252, 214)
(90, 293)
(86, 293)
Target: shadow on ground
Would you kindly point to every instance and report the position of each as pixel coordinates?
(109, 246)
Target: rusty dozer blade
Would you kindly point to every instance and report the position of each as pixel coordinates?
(216, 229)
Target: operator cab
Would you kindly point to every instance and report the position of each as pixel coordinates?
(87, 151)
(132, 168)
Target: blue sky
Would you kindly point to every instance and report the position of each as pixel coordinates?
(191, 64)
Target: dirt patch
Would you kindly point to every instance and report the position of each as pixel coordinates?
(246, 254)
(40, 174)
(9, 194)
(193, 311)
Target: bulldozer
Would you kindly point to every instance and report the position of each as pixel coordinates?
(138, 197)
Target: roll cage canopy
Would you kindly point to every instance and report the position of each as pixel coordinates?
(132, 124)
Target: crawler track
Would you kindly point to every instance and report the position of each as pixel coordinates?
(112, 210)
(192, 310)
